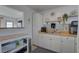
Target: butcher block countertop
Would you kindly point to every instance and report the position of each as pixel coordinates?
(9, 37)
(65, 34)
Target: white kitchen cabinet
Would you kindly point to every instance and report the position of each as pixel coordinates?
(67, 45)
(63, 44)
(35, 40)
(40, 43)
(55, 43)
(47, 42)
(44, 42)
(77, 47)
(50, 42)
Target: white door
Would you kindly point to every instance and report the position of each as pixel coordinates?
(55, 43)
(67, 45)
(37, 23)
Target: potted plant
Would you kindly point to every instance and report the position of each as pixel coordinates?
(65, 17)
(17, 43)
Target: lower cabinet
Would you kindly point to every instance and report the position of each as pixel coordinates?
(67, 45)
(44, 42)
(57, 43)
(35, 39)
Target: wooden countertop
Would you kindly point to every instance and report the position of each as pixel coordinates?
(65, 34)
(9, 37)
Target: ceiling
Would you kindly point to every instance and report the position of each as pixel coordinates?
(40, 8)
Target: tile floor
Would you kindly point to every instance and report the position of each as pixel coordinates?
(42, 50)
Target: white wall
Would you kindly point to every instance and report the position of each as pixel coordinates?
(10, 14)
(27, 21)
(58, 12)
(78, 34)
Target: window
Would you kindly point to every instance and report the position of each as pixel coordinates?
(19, 23)
(10, 24)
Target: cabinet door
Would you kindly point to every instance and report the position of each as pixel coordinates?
(36, 39)
(55, 43)
(44, 42)
(40, 41)
(68, 45)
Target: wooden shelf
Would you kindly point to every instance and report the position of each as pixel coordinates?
(52, 21)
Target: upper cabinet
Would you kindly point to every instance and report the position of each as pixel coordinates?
(11, 18)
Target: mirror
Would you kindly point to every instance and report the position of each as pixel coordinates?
(11, 18)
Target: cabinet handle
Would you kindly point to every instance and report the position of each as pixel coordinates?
(67, 38)
(50, 39)
(61, 40)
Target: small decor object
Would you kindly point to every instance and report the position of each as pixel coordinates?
(52, 14)
(1, 17)
(74, 13)
(28, 19)
(17, 43)
(21, 42)
(59, 19)
(65, 17)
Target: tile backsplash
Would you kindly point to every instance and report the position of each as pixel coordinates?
(59, 27)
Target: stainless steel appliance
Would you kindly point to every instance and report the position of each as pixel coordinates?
(73, 27)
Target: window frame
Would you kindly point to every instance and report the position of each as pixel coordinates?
(11, 22)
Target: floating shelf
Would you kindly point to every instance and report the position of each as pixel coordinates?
(52, 21)
(74, 16)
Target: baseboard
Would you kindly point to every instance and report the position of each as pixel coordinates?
(43, 48)
(34, 47)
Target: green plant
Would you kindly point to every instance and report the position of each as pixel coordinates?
(17, 43)
(65, 17)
